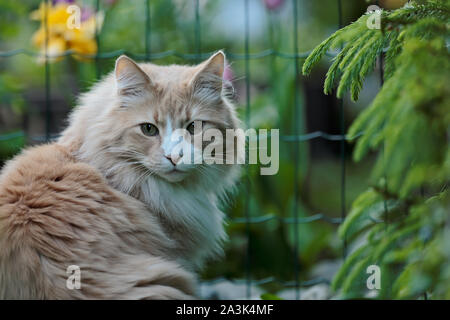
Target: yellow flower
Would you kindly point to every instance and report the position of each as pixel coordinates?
(63, 36)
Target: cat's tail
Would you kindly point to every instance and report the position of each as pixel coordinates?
(138, 278)
(144, 278)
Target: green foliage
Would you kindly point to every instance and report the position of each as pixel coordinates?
(269, 296)
(10, 144)
(403, 220)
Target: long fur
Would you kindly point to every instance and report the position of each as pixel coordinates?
(98, 198)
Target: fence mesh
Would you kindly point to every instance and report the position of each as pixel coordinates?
(295, 138)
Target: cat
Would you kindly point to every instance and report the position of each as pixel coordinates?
(112, 198)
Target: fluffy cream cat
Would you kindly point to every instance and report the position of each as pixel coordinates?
(113, 198)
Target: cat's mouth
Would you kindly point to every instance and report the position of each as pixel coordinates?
(174, 175)
(175, 171)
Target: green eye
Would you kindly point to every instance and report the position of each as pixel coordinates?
(149, 129)
(191, 127)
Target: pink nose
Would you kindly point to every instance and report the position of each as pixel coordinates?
(174, 162)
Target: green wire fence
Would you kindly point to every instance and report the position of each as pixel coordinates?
(295, 56)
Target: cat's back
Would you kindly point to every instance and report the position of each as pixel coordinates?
(40, 171)
(56, 212)
(43, 185)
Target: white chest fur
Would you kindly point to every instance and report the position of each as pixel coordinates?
(190, 216)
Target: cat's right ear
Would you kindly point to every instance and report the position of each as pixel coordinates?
(130, 78)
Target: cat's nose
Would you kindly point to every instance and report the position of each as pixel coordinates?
(173, 161)
(170, 159)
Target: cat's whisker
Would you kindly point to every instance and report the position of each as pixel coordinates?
(138, 181)
(214, 167)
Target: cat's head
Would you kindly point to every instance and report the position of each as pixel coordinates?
(141, 122)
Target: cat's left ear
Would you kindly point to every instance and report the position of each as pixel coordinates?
(210, 73)
(130, 78)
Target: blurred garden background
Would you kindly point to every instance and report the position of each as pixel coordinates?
(318, 180)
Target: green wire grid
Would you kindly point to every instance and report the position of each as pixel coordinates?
(295, 56)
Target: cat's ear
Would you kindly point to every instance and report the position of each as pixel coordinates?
(130, 78)
(210, 73)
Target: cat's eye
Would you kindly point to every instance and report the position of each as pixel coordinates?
(191, 128)
(149, 129)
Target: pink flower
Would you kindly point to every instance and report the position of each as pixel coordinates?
(62, 1)
(273, 4)
(86, 13)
